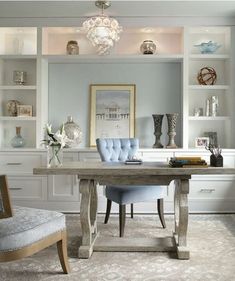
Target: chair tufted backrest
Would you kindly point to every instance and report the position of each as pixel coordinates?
(117, 150)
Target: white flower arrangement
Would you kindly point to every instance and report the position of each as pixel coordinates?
(56, 139)
(55, 142)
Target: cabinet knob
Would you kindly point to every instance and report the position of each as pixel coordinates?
(15, 188)
(207, 190)
(12, 164)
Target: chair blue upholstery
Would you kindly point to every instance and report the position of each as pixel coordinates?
(25, 231)
(120, 150)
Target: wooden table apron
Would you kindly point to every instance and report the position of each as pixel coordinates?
(91, 173)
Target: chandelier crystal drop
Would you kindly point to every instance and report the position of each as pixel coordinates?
(102, 30)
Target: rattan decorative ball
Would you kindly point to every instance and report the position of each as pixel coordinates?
(207, 76)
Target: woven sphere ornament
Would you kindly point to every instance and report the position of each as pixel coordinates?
(207, 76)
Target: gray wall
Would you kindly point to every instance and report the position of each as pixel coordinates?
(158, 90)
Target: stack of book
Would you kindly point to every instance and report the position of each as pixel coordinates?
(188, 162)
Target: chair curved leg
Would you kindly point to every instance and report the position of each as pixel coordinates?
(132, 211)
(161, 212)
(62, 252)
(108, 209)
(122, 219)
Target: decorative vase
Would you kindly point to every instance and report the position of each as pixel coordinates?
(214, 105)
(72, 48)
(148, 47)
(216, 161)
(12, 107)
(54, 156)
(171, 119)
(157, 119)
(207, 107)
(18, 141)
(73, 132)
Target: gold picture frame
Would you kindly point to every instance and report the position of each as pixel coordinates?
(112, 111)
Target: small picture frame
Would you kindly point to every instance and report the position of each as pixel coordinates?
(24, 110)
(201, 142)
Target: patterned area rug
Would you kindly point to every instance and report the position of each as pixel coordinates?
(211, 239)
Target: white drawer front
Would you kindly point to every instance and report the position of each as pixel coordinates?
(20, 163)
(212, 189)
(28, 188)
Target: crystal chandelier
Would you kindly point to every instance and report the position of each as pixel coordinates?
(102, 30)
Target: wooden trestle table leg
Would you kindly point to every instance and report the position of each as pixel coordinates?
(181, 218)
(88, 211)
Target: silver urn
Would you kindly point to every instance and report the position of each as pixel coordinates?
(72, 47)
(73, 132)
(148, 47)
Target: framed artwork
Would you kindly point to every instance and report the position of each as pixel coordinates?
(5, 203)
(112, 111)
(202, 142)
(24, 110)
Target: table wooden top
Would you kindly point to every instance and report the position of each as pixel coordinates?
(83, 169)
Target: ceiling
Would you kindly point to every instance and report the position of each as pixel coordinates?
(120, 9)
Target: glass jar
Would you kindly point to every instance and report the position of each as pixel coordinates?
(73, 132)
(148, 47)
(54, 156)
(19, 77)
(72, 48)
(18, 141)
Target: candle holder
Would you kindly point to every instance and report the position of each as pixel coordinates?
(157, 118)
(171, 119)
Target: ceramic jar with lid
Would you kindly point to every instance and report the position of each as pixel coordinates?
(72, 47)
(148, 47)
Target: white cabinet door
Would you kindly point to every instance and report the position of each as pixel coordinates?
(64, 187)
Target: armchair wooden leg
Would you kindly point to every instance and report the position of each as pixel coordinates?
(122, 219)
(160, 208)
(132, 211)
(62, 252)
(108, 209)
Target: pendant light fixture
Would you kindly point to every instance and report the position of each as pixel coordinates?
(102, 30)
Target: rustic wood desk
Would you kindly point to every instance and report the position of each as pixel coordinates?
(103, 173)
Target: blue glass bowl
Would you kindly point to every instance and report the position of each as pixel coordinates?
(208, 47)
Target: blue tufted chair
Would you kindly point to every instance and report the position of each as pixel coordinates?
(119, 150)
